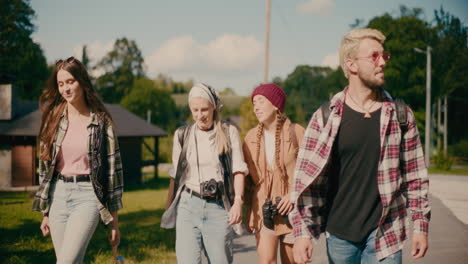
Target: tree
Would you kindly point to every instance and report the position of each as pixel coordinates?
(121, 66)
(227, 91)
(146, 95)
(174, 86)
(405, 73)
(451, 71)
(406, 68)
(249, 120)
(21, 58)
(84, 57)
(309, 87)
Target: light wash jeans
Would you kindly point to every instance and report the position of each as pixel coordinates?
(73, 218)
(342, 251)
(201, 224)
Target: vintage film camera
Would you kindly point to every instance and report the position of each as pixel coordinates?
(211, 188)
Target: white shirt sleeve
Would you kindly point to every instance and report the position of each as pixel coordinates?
(176, 149)
(238, 162)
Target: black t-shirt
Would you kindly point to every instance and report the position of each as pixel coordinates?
(355, 202)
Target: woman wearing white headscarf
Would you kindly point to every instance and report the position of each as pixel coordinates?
(206, 191)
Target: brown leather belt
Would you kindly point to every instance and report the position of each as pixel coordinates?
(198, 195)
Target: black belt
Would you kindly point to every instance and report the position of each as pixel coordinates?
(79, 178)
(196, 194)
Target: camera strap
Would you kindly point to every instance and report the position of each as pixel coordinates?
(198, 161)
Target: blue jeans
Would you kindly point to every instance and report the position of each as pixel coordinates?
(342, 251)
(202, 224)
(73, 218)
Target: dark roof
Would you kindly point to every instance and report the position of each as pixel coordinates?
(127, 124)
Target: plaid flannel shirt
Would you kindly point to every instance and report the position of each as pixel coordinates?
(115, 173)
(402, 177)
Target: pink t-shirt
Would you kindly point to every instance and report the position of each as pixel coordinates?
(73, 156)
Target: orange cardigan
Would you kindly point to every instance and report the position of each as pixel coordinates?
(260, 174)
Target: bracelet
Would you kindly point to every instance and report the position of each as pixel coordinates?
(239, 197)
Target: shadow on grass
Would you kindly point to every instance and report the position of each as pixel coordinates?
(141, 237)
(25, 244)
(153, 184)
(140, 232)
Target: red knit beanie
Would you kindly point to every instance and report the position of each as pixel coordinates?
(273, 93)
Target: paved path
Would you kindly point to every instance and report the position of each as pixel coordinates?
(448, 236)
(453, 191)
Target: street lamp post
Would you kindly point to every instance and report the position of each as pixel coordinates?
(428, 103)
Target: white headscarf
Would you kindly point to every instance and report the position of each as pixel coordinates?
(200, 90)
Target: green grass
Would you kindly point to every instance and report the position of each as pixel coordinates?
(453, 171)
(142, 240)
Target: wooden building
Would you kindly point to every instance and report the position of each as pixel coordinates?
(19, 130)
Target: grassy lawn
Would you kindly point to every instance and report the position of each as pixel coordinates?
(453, 171)
(143, 241)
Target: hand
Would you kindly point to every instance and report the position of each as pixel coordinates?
(302, 250)
(235, 214)
(45, 226)
(114, 237)
(285, 206)
(419, 245)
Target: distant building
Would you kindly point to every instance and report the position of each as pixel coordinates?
(19, 130)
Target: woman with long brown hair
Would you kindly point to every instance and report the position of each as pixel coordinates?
(270, 150)
(80, 168)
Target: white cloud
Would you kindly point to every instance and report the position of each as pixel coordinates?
(183, 54)
(318, 7)
(331, 60)
(95, 49)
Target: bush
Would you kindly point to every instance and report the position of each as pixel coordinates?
(442, 162)
(460, 149)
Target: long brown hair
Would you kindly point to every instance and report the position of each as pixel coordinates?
(280, 119)
(52, 103)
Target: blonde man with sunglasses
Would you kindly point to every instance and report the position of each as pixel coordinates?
(359, 170)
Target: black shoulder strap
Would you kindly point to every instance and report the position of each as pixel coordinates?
(401, 114)
(183, 133)
(325, 112)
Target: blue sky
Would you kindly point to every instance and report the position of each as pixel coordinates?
(217, 42)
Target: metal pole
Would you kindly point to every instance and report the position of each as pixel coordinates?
(428, 107)
(439, 124)
(445, 125)
(267, 42)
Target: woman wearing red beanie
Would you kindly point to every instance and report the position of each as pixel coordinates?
(270, 150)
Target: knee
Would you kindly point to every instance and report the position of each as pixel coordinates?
(67, 260)
(266, 258)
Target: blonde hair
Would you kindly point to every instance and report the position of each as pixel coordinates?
(221, 138)
(350, 44)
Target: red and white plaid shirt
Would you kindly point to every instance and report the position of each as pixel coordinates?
(402, 177)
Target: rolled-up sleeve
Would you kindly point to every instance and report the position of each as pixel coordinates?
(115, 171)
(238, 162)
(176, 149)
